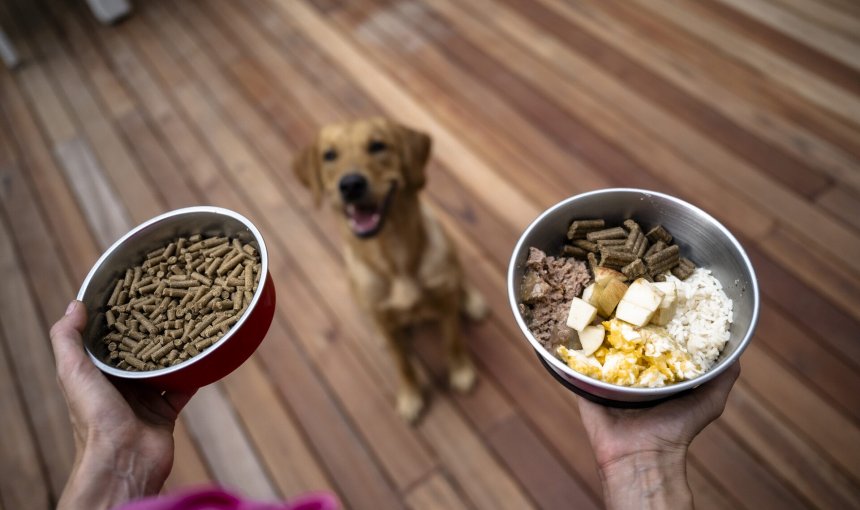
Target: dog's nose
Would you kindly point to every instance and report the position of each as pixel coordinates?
(352, 186)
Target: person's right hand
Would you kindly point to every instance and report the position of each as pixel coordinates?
(123, 431)
(649, 445)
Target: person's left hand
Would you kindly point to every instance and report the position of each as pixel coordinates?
(123, 431)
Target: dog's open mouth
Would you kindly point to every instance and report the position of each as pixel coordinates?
(366, 218)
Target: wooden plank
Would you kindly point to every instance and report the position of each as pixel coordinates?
(810, 85)
(802, 216)
(829, 277)
(743, 475)
(790, 48)
(506, 156)
(435, 492)
(467, 459)
(724, 124)
(23, 480)
(230, 456)
(275, 433)
(807, 306)
(188, 468)
(64, 214)
(826, 41)
(793, 400)
(341, 450)
(30, 353)
(534, 464)
(153, 157)
(105, 211)
(802, 466)
(652, 155)
(841, 203)
(742, 94)
(116, 163)
(810, 358)
(480, 179)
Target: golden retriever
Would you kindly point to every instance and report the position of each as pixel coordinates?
(401, 264)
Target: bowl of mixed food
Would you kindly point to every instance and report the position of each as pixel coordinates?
(181, 300)
(632, 296)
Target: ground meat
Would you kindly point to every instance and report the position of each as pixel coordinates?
(548, 287)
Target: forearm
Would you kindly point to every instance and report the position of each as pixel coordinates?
(647, 480)
(105, 476)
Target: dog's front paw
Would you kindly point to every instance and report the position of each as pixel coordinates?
(410, 403)
(462, 377)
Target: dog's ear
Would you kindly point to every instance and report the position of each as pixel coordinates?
(307, 168)
(415, 151)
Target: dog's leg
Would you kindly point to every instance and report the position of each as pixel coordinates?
(410, 402)
(461, 371)
(473, 304)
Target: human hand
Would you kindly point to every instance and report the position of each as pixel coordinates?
(123, 432)
(638, 450)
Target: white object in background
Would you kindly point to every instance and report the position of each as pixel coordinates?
(109, 11)
(7, 51)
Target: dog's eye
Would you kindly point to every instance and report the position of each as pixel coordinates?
(376, 146)
(330, 155)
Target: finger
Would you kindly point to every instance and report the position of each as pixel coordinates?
(66, 336)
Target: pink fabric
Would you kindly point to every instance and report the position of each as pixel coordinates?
(213, 498)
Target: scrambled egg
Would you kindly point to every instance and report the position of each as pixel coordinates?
(633, 356)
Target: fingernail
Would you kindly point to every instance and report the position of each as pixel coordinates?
(71, 307)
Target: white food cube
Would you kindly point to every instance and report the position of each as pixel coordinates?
(588, 295)
(591, 339)
(668, 304)
(581, 314)
(643, 294)
(633, 313)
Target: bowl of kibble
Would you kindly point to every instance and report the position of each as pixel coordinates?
(630, 296)
(181, 300)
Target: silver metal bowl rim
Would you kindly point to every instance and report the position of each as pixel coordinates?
(264, 271)
(561, 367)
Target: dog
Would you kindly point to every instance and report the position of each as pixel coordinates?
(402, 265)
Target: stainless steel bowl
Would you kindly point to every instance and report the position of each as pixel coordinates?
(229, 351)
(701, 239)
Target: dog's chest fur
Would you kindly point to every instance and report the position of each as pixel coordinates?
(404, 274)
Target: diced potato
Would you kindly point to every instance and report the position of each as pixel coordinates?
(632, 313)
(591, 339)
(581, 314)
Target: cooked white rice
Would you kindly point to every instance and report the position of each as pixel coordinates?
(703, 317)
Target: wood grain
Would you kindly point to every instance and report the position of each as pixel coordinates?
(747, 109)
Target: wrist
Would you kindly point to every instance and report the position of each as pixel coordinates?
(109, 473)
(648, 479)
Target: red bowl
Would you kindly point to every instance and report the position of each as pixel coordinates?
(225, 355)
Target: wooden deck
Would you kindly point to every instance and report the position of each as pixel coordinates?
(748, 108)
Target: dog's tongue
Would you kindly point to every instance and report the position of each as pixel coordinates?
(363, 220)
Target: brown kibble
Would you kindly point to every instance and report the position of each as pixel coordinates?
(169, 301)
(133, 361)
(609, 233)
(586, 245)
(659, 233)
(115, 294)
(634, 269)
(230, 263)
(580, 228)
(573, 251)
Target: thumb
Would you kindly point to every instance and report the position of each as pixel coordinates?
(66, 336)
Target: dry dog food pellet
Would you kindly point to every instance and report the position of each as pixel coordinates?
(627, 249)
(179, 301)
